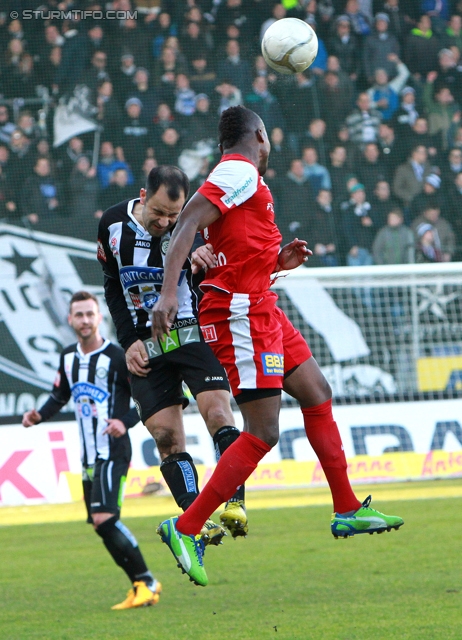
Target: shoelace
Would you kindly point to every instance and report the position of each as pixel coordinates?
(199, 549)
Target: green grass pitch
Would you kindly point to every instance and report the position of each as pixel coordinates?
(288, 580)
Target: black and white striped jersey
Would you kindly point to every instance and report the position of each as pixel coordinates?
(98, 383)
(133, 265)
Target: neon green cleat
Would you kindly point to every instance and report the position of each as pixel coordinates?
(212, 533)
(187, 549)
(234, 518)
(364, 520)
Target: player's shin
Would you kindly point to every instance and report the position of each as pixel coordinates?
(323, 435)
(124, 549)
(234, 467)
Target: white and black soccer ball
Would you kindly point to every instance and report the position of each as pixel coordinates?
(289, 45)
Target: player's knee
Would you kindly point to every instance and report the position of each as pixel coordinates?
(218, 416)
(103, 527)
(167, 441)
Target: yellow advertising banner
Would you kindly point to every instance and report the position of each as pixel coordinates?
(289, 474)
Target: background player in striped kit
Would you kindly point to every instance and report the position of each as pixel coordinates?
(133, 238)
(94, 373)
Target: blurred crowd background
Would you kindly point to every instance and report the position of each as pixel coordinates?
(366, 160)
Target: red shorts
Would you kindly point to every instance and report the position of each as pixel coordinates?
(252, 338)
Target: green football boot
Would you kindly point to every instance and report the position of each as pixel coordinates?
(234, 518)
(187, 549)
(364, 520)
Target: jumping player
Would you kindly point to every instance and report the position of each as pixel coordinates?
(260, 349)
(94, 373)
(133, 238)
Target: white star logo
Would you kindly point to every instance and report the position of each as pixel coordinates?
(435, 300)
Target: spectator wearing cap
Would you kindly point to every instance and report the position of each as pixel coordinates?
(431, 192)
(441, 108)
(345, 46)
(421, 49)
(359, 227)
(134, 135)
(384, 93)
(378, 47)
(449, 74)
(432, 215)
(410, 176)
(406, 114)
(428, 245)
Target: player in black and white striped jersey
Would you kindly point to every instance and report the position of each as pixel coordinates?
(94, 373)
(133, 239)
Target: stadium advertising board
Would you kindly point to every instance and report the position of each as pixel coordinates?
(416, 440)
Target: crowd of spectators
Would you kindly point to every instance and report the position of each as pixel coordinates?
(366, 160)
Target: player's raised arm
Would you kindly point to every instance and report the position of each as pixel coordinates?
(198, 214)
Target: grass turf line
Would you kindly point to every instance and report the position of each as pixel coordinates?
(289, 579)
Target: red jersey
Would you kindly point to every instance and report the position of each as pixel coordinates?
(245, 238)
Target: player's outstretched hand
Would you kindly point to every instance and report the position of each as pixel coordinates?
(115, 428)
(30, 418)
(203, 258)
(163, 315)
(294, 254)
(137, 359)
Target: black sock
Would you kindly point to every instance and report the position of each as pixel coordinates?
(123, 547)
(180, 474)
(223, 438)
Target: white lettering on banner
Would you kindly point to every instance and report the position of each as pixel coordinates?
(30, 459)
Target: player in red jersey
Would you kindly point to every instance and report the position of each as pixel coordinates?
(253, 339)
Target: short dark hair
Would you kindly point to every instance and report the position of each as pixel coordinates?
(234, 125)
(79, 296)
(173, 178)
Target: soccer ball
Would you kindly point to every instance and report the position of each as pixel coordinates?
(289, 45)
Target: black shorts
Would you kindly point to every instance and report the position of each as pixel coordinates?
(103, 486)
(195, 364)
